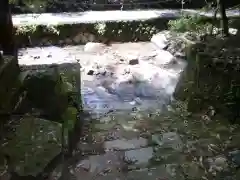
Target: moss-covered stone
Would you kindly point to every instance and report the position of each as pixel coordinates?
(210, 81)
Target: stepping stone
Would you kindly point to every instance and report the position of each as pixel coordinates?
(122, 144)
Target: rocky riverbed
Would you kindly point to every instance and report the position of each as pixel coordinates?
(118, 76)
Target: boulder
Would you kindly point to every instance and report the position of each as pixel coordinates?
(160, 39)
(94, 47)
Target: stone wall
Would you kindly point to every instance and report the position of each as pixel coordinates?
(211, 81)
(74, 34)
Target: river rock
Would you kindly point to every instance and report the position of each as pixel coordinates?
(78, 38)
(218, 163)
(235, 157)
(133, 61)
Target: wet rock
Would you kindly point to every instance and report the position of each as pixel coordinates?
(218, 163)
(149, 56)
(145, 90)
(106, 119)
(160, 39)
(192, 170)
(139, 157)
(105, 126)
(136, 101)
(157, 173)
(125, 91)
(131, 59)
(95, 164)
(94, 47)
(34, 137)
(168, 140)
(90, 72)
(102, 71)
(122, 144)
(235, 157)
(133, 62)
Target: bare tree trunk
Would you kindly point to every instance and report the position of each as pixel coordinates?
(6, 29)
(224, 19)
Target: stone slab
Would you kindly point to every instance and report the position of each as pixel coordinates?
(122, 144)
(139, 157)
(42, 59)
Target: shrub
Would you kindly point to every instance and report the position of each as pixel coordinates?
(189, 23)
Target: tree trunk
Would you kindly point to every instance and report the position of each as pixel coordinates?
(6, 29)
(224, 19)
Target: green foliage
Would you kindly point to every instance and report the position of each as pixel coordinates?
(34, 6)
(189, 23)
(33, 28)
(69, 117)
(63, 87)
(126, 30)
(26, 29)
(100, 28)
(52, 29)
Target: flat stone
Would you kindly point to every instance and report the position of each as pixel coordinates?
(139, 157)
(99, 163)
(156, 173)
(40, 57)
(168, 140)
(122, 144)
